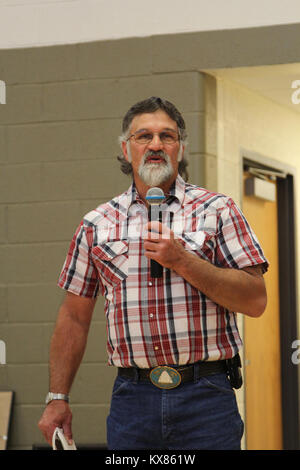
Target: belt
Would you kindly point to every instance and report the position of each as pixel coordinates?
(167, 377)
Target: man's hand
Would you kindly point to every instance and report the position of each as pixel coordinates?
(56, 415)
(161, 245)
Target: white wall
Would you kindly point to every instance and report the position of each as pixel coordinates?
(25, 23)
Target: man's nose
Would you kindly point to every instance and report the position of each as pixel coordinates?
(156, 143)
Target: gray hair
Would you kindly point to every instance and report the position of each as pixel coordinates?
(150, 105)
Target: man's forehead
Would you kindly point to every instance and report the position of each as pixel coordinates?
(159, 118)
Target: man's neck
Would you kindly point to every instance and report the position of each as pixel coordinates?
(142, 188)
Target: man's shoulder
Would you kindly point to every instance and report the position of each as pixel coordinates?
(198, 195)
(111, 210)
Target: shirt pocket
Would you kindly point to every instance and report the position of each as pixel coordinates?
(111, 260)
(200, 243)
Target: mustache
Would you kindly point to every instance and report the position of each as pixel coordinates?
(158, 153)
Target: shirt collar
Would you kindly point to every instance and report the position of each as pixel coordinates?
(176, 191)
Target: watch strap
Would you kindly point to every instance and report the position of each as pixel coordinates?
(56, 396)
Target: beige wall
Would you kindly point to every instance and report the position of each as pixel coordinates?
(58, 147)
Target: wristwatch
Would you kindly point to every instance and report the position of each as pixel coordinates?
(56, 396)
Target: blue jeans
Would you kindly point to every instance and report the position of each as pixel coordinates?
(196, 415)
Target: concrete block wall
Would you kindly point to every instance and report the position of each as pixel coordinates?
(58, 148)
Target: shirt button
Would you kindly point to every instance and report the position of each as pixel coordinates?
(150, 283)
(156, 348)
(151, 315)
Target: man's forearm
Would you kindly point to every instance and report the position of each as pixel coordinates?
(66, 351)
(234, 289)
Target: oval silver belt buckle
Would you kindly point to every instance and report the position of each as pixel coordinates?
(165, 377)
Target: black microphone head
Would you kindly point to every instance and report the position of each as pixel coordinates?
(155, 195)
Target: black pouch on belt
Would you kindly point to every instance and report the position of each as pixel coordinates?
(234, 370)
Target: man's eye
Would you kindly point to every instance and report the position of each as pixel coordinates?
(168, 136)
(146, 136)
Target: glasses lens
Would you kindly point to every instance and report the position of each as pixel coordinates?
(166, 137)
(143, 137)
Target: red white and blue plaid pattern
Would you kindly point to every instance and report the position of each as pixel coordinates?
(150, 321)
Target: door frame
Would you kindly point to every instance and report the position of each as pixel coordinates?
(287, 290)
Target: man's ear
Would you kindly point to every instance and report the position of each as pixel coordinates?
(126, 150)
(180, 152)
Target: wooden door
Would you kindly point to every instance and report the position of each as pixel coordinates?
(262, 339)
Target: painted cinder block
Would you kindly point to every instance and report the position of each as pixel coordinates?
(62, 141)
(25, 342)
(23, 104)
(31, 263)
(33, 297)
(118, 58)
(111, 98)
(82, 180)
(3, 150)
(42, 221)
(20, 183)
(38, 64)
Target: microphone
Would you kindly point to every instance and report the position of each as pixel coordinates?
(154, 197)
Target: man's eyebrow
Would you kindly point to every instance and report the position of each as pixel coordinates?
(141, 130)
(148, 130)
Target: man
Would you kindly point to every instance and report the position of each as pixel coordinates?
(212, 267)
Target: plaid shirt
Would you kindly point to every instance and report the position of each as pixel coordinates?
(156, 321)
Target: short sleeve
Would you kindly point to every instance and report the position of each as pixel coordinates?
(79, 275)
(236, 244)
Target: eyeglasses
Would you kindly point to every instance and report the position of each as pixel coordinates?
(145, 137)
